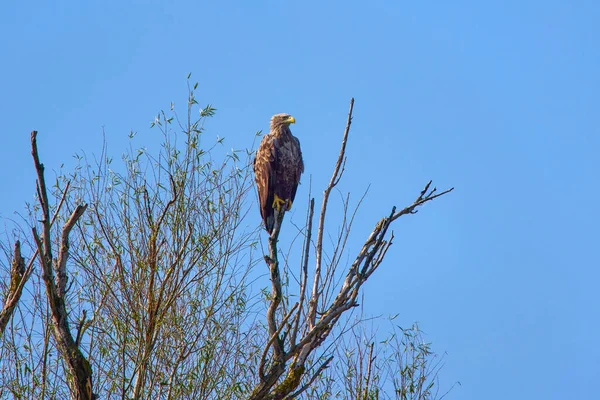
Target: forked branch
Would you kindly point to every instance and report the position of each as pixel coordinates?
(19, 274)
(55, 278)
(335, 178)
(293, 344)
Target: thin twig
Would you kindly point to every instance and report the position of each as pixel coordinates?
(371, 359)
(304, 278)
(423, 198)
(314, 301)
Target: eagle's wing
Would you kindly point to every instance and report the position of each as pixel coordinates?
(301, 161)
(263, 170)
(299, 169)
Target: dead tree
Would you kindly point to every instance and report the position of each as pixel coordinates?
(295, 334)
(54, 274)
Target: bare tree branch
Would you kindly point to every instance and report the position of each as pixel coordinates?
(370, 361)
(273, 338)
(423, 198)
(17, 277)
(337, 174)
(318, 325)
(304, 272)
(79, 367)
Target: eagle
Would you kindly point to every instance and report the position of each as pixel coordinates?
(277, 168)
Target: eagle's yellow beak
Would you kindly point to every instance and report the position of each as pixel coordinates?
(291, 120)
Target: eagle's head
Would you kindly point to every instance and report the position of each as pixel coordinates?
(281, 121)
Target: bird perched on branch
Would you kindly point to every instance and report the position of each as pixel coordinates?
(277, 169)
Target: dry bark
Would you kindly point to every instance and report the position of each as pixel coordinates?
(54, 274)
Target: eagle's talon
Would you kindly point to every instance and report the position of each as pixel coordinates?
(278, 202)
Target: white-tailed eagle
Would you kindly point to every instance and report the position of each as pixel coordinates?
(277, 169)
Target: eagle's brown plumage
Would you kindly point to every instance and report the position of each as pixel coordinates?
(277, 168)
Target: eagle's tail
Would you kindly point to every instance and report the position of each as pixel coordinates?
(279, 206)
(270, 223)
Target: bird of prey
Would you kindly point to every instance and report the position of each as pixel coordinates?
(277, 169)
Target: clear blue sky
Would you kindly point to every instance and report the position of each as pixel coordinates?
(497, 98)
